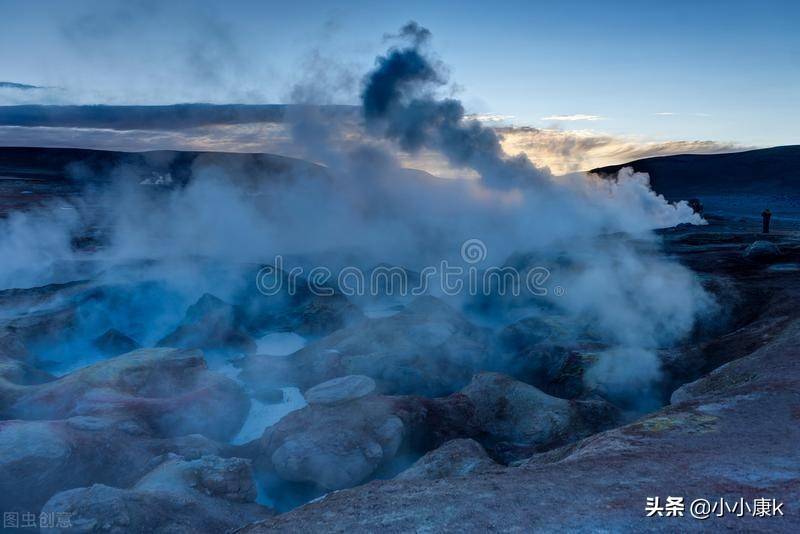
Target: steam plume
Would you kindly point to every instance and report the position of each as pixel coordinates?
(364, 206)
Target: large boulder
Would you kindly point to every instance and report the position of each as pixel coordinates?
(427, 349)
(507, 409)
(322, 314)
(211, 324)
(515, 419)
(113, 343)
(762, 251)
(333, 446)
(209, 494)
(550, 351)
(170, 390)
(40, 458)
(546, 353)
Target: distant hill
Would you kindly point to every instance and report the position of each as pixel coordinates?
(764, 171)
(33, 176)
(74, 164)
(726, 182)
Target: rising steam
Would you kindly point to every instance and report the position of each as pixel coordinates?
(594, 234)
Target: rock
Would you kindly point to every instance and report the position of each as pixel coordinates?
(728, 375)
(511, 410)
(748, 329)
(427, 349)
(322, 315)
(562, 373)
(762, 251)
(34, 297)
(209, 494)
(433, 422)
(716, 443)
(20, 373)
(731, 434)
(213, 325)
(515, 418)
(15, 375)
(171, 390)
(342, 389)
(342, 444)
(333, 446)
(228, 479)
(43, 326)
(11, 346)
(33, 457)
(114, 343)
(40, 458)
(547, 353)
(456, 458)
(299, 311)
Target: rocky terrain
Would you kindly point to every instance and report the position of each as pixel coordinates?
(730, 432)
(496, 454)
(132, 408)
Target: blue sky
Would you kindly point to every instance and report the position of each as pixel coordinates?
(723, 71)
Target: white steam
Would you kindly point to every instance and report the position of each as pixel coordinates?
(365, 207)
(33, 244)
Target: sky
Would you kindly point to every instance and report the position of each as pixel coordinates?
(643, 73)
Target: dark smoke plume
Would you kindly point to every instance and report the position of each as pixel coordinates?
(399, 101)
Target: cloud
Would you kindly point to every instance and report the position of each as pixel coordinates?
(489, 117)
(567, 151)
(20, 86)
(665, 113)
(263, 128)
(173, 117)
(257, 137)
(574, 117)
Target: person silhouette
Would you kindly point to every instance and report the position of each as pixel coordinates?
(766, 215)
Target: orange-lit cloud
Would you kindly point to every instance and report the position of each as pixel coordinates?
(563, 151)
(579, 150)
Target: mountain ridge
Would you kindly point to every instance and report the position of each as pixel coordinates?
(766, 170)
